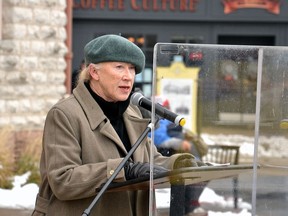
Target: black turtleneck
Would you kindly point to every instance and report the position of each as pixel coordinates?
(114, 112)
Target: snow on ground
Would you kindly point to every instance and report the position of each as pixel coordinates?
(216, 204)
(274, 146)
(20, 197)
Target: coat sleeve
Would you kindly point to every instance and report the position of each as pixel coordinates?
(68, 176)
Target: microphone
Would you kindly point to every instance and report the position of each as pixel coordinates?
(139, 100)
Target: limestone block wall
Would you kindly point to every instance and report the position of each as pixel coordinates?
(32, 63)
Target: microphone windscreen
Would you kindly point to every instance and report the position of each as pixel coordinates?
(135, 98)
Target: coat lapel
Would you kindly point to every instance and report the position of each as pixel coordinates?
(95, 115)
(108, 131)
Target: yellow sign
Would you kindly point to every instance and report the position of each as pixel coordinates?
(179, 84)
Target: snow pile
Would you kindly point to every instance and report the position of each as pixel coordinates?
(20, 196)
(209, 200)
(273, 147)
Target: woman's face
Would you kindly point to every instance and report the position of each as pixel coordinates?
(113, 81)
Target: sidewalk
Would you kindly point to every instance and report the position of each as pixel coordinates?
(15, 212)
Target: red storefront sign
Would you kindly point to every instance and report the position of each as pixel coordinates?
(273, 6)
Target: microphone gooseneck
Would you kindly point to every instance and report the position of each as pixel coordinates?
(139, 100)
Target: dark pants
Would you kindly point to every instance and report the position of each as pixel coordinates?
(192, 194)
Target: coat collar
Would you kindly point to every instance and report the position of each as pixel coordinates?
(92, 110)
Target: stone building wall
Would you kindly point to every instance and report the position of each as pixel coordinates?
(32, 63)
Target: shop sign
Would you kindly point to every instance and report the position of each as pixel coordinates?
(137, 5)
(273, 6)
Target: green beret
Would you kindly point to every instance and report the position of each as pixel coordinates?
(114, 48)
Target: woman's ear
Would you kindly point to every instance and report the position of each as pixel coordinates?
(93, 71)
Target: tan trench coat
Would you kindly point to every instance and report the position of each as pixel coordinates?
(80, 149)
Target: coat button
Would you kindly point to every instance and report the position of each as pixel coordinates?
(111, 172)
